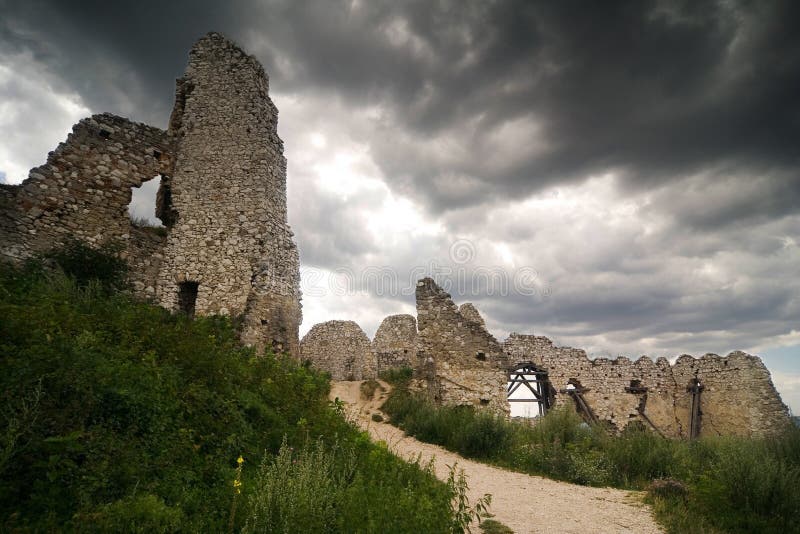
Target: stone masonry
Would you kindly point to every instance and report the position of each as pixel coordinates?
(457, 361)
(463, 363)
(341, 348)
(395, 344)
(228, 248)
(738, 396)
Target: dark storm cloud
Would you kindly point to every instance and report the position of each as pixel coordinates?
(656, 142)
(652, 90)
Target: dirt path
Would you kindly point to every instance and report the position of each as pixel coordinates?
(524, 503)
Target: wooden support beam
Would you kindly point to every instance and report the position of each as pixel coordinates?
(695, 388)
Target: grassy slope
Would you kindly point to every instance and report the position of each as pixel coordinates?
(119, 416)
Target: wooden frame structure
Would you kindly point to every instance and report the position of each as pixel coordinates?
(533, 379)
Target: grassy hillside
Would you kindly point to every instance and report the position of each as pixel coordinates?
(709, 485)
(119, 416)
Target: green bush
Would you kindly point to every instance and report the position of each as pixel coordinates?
(140, 513)
(368, 389)
(83, 264)
(298, 492)
(397, 376)
(491, 526)
(119, 416)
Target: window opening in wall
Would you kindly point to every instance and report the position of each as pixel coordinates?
(529, 390)
(481, 356)
(105, 134)
(187, 297)
(142, 208)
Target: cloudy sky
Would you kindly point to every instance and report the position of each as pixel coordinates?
(622, 177)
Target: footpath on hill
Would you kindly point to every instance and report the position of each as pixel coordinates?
(525, 503)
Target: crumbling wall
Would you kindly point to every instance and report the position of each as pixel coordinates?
(84, 189)
(229, 232)
(395, 343)
(738, 397)
(460, 359)
(227, 247)
(340, 348)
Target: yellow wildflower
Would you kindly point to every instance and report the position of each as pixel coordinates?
(240, 460)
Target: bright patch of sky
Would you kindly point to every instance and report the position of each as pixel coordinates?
(26, 94)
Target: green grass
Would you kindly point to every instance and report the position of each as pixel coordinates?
(399, 376)
(729, 484)
(119, 416)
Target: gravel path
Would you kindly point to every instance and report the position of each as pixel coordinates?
(524, 503)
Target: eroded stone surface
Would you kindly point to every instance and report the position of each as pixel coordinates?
(395, 344)
(341, 348)
(222, 198)
(228, 195)
(461, 361)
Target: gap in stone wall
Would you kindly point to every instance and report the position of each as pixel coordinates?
(187, 297)
(142, 208)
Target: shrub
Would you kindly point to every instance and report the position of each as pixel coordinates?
(749, 488)
(668, 488)
(368, 389)
(492, 526)
(84, 263)
(141, 513)
(397, 376)
(297, 492)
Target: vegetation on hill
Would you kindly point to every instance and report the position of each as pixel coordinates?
(709, 485)
(119, 416)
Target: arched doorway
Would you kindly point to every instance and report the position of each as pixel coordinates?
(529, 390)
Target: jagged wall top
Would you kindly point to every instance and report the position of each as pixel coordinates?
(228, 247)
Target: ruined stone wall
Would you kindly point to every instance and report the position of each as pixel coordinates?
(341, 348)
(459, 358)
(738, 397)
(229, 231)
(84, 189)
(395, 343)
(457, 361)
(222, 199)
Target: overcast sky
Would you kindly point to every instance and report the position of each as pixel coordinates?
(621, 177)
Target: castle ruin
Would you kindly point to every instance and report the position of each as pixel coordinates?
(457, 361)
(227, 248)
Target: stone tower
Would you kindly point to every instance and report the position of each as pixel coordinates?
(229, 249)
